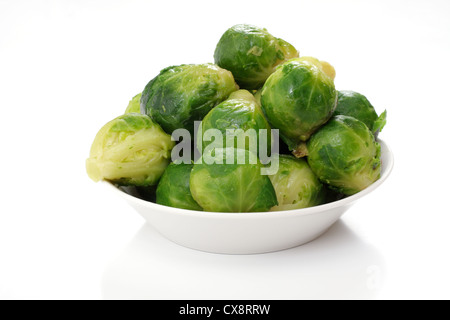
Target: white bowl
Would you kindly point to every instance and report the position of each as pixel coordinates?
(249, 233)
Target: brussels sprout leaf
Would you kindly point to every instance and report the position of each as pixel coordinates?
(380, 123)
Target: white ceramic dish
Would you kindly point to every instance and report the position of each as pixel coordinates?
(248, 233)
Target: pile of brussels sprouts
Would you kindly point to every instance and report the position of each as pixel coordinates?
(328, 148)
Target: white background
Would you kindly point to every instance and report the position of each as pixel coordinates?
(68, 67)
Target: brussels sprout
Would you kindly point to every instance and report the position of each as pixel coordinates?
(356, 105)
(232, 187)
(251, 54)
(135, 104)
(297, 99)
(239, 111)
(173, 189)
(296, 185)
(180, 95)
(130, 150)
(345, 155)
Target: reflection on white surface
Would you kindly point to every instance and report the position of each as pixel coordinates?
(339, 265)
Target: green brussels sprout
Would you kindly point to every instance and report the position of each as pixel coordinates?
(180, 95)
(251, 54)
(239, 111)
(223, 187)
(296, 185)
(130, 150)
(356, 105)
(298, 98)
(345, 155)
(173, 189)
(135, 104)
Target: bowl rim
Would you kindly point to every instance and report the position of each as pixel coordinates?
(387, 169)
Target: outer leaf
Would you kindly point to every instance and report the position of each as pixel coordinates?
(380, 123)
